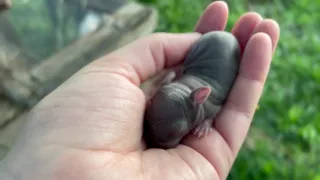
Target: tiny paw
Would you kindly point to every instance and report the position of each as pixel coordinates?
(202, 130)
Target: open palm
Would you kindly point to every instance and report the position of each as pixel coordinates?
(91, 126)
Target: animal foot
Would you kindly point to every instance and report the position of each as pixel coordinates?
(202, 130)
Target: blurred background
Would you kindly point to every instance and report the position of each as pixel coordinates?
(284, 142)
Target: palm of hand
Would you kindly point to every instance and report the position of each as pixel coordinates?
(91, 127)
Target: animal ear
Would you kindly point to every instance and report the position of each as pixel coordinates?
(200, 95)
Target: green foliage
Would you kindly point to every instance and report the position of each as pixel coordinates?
(176, 15)
(32, 22)
(289, 108)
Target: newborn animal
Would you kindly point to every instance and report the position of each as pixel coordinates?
(190, 102)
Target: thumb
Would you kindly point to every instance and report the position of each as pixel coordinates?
(101, 107)
(149, 55)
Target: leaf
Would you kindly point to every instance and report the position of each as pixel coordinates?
(295, 113)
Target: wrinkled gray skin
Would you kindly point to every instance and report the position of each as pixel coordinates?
(190, 102)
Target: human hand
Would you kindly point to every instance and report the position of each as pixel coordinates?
(91, 126)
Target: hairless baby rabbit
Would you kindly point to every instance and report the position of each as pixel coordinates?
(188, 103)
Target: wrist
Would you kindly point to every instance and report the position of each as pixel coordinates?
(4, 173)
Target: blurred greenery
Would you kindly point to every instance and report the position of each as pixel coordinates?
(286, 127)
(32, 22)
(32, 25)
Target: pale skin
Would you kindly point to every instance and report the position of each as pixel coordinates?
(90, 128)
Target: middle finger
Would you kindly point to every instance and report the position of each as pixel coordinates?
(244, 27)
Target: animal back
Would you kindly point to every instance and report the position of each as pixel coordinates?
(215, 58)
